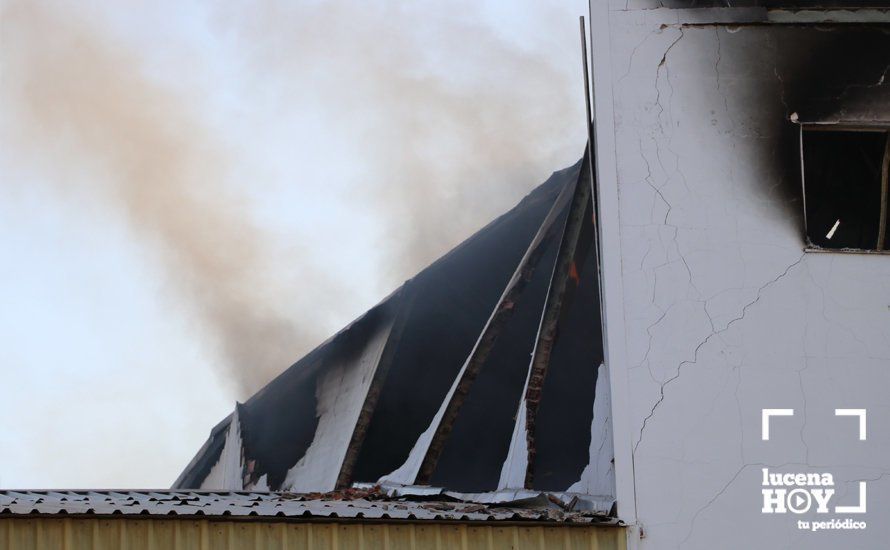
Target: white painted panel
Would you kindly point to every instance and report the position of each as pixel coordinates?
(225, 475)
(598, 478)
(341, 392)
(516, 464)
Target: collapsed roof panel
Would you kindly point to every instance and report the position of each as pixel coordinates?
(565, 413)
(278, 429)
(453, 299)
(207, 456)
(227, 472)
(598, 477)
(423, 458)
(472, 455)
(340, 394)
(424, 387)
(567, 350)
(280, 422)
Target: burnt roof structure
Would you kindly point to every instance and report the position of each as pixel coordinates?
(482, 374)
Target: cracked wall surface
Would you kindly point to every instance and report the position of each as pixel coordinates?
(725, 314)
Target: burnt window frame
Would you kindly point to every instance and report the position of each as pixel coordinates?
(882, 243)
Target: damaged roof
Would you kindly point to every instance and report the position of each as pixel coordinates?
(482, 373)
(372, 504)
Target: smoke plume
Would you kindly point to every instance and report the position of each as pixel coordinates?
(453, 124)
(456, 122)
(83, 105)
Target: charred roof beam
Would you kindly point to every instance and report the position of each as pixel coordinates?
(564, 275)
(501, 314)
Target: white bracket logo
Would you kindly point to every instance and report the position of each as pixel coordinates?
(798, 492)
(854, 412)
(765, 416)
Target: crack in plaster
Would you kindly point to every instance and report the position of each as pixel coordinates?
(782, 97)
(670, 135)
(649, 178)
(738, 405)
(663, 63)
(694, 359)
(720, 91)
(633, 53)
(876, 84)
(649, 346)
(716, 496)
(833, 322)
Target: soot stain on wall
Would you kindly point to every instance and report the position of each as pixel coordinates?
(788, 74)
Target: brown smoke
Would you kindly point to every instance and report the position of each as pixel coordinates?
(76, 102)
(453, 122)
(456, 124)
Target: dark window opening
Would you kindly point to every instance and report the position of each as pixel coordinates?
(845, 176)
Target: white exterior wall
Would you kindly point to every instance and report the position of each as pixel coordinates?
(713, 309)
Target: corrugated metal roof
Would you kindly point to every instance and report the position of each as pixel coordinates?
(346, 505)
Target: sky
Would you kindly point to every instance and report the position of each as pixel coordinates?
(194, 194)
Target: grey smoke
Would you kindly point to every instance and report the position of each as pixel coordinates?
(455, 123)
(84, 105)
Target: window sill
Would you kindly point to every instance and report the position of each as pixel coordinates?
(818, 249)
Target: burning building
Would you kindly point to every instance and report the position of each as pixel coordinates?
(686, 334)
(482, 374)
